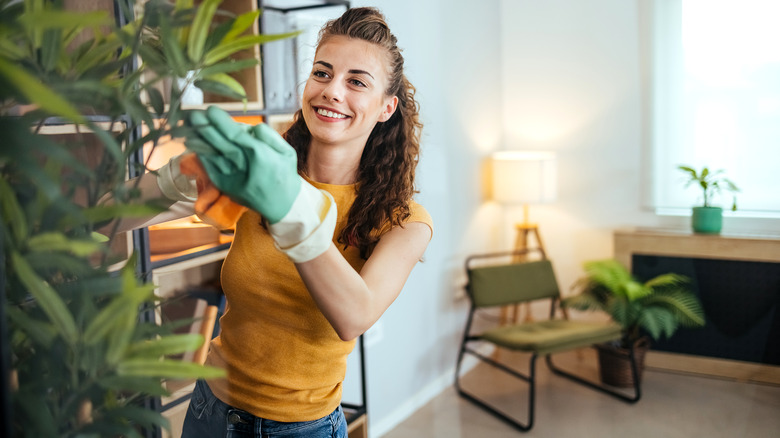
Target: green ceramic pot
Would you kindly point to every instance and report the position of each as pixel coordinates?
(707, 220)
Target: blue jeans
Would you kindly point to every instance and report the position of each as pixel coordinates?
(209, 417)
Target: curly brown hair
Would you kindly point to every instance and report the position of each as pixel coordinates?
(386, 172)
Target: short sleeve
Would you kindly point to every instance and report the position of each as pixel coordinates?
(418, 213)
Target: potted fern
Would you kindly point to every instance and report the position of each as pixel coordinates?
(652, 309)
(78, 358)
(707, 218)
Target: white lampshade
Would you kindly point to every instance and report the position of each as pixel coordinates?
(524, 177)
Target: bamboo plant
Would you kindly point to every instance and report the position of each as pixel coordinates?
(80, 358)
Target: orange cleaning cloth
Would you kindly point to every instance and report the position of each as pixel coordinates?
(213, 206)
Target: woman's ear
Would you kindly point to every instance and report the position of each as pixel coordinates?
(391, 103)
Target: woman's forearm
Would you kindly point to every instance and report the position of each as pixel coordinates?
(351, 301)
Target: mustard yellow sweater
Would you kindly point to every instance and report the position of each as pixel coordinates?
(284, 361)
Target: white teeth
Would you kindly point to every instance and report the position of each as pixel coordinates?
(330, 114)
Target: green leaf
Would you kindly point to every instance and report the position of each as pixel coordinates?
(170, 369)
(635, 290)
(100, 52)
(166, 346)
(657, 321)
(666, 280)
(610, 274)
(116, 314)
(184, 4)
(200, 29)
(51, 49)
(38, 93)
(153, 59)
(223, 85)
(109, 142)
(58, 262)
(156, 100)
(85, 91)
(34, 407)
(651, 324)
(583, 301)
(120, 310)
(128, 36)
(620, 312)
(102, 213)
(61, 19)
(689, 170)
(173, 53)
(97, 237)
(184, 7)
(57, 241)
(224, 50)
(121, 334)
(241, 24)
(12, 212)
(41, 333)
(98, 286)
(46, 298)
(138, 111)
(140, 416)
(685, 306)
(228, 66)
(11, 50)
(145, 385)
(217, 35)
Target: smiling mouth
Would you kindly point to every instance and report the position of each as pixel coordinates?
(331, 114)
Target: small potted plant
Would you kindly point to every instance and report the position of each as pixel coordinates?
(650, 309)
(708, 219)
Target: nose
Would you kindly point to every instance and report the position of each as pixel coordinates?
(334, 92)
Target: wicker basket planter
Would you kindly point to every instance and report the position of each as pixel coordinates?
(615, 366)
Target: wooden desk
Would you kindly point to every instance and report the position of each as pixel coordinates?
(683, 243)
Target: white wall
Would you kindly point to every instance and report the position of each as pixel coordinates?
(559, 75)
(571, 81)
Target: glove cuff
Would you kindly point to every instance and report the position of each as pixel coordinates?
(306, 231)
(173, 184)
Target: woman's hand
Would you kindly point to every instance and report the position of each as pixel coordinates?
(212, 206)
(251, 164)
(257, 168)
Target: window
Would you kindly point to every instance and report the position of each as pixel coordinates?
(715, 100)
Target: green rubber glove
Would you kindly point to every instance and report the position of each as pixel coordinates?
(251, 164)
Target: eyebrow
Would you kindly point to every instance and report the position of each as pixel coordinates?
(353, 71)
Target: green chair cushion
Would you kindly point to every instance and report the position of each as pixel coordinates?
(553, 335)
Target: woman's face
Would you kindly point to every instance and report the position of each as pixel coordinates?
(345, 95)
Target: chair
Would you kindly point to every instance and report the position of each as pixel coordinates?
(492, 284)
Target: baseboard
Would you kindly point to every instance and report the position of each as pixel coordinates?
(715, 367)
(379, 427)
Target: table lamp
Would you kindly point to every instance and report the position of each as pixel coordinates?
(524, 177)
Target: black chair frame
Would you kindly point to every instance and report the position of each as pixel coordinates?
(530, 377)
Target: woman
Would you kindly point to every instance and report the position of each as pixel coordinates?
(327, 244)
